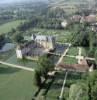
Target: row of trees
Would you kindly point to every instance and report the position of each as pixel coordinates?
(49, 19)
(41, 22)
(2, 40)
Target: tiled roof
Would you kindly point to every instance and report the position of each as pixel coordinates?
(77, 67)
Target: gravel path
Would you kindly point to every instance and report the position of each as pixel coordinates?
(17, 66)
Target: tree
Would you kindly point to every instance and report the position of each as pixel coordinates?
(78, 91)
(13, 30)
(92, 40)
(37, 78)
(45, 65)
(94, 91)
(18, 38)
(92, 80)
(2, 40)
(2, 37)
(96, 56)
(91, 52)
(83, 36)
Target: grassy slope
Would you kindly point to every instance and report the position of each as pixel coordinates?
(8, 26)
(62, 4)
(16, 84)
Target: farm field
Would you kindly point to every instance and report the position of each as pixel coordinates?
(16, 84)
(8, 26)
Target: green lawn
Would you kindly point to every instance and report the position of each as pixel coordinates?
(6, 55)
(84, 51)
(10, 57)
(73, 51)
(13, 60)
(16, 84)
(69, 60)
(8, 26)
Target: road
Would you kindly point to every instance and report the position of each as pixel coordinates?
(62, 90)
(17, 66)
(79, 55)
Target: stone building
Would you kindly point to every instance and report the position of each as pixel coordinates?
(48, 42)
(39, 45)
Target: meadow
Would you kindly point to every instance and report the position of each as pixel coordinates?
(8, 26)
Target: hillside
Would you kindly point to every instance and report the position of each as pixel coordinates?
(71, 5)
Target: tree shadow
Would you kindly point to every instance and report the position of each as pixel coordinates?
(7, 70)
(56, 85)
(48, 85)
(39, 89)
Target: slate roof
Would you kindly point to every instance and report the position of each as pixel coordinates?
(42, 38)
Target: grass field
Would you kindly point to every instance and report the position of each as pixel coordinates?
(84, 51)
(6, 55)
(8, 26)
(69, 60)
(73, 51)
(16, 84)
(13, 60)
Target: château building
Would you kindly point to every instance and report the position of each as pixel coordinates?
(39, 45)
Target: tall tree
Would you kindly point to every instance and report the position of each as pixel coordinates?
(45, 64)
(37, 78)
(78, 91)
(18, 38)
